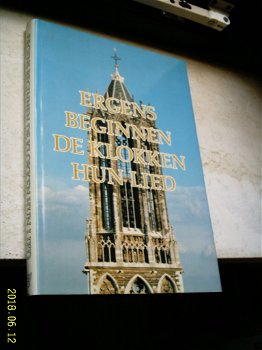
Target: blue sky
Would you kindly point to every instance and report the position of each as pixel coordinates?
(69, 61)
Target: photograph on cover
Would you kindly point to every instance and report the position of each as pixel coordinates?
(121, 205)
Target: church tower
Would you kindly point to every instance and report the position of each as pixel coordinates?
(130, 244)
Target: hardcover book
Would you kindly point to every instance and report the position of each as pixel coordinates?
(115, 194)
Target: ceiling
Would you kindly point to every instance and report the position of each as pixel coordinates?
(238, 46)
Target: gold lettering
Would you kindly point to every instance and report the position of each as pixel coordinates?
(152, 158)
(76, 144)
(166, 160)
(136, 109)
(94, 151)
(85, 99)
(120, 127)
(128, 154)
(181, 162)
(152, 135)
(140, 132)
(125, 107)
(166, 137)
(96, 177)
(84, 121)
(110, 105)
(172, 183)
(113, 175)
(57, 146)
(145, 181)
(133, 180)
(101, 130)
(151, 115)
(155, 182)
(109, 151)
(98, 102)
(71, 119)
(138, 156)
(84, 171)
(110, 129)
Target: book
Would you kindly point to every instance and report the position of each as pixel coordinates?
(115, 193)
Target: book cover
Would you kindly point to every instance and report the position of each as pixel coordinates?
(115, 193)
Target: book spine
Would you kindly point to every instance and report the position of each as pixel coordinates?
(30, 191)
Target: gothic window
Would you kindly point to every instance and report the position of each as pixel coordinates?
(152, 216)
(161, 251)
(106, 248)
(130, 212)
(153, 210)
(108, 286)
(107, 205)
(152, 199)
(106, 189)
(139, 287)
(103, 138)
(128, 205)
(167, 286)
(122, 140)
(124, 206)
(137, 207)
(134, 250)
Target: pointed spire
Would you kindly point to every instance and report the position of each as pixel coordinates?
(116, 58)
(116, 75)
(117, 87)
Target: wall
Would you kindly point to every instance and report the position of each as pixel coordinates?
(227, 107)
(228, 115)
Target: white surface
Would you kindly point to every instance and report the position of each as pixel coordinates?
(12, 28)
(227, 108)
(228, 116)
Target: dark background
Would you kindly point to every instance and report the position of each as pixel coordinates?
(228, 320)
(237, 46)
(220, 321)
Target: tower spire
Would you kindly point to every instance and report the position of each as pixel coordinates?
(116, 58)
(129, 243)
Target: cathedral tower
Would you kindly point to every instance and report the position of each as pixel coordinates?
(130, 244)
